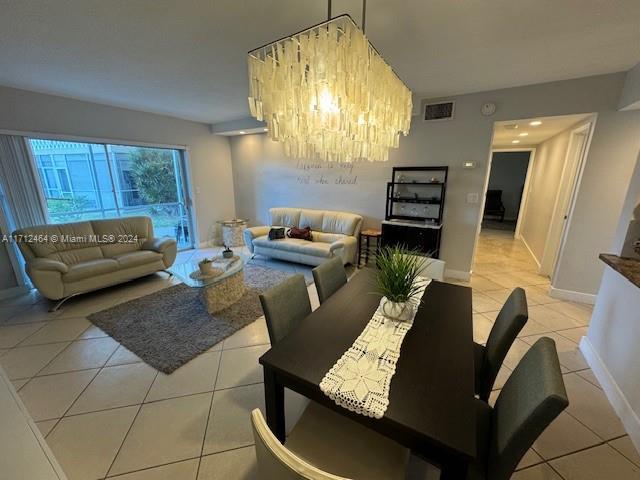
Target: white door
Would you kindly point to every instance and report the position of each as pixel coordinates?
(575, 156)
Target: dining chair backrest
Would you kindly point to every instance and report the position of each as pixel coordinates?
(329, 276)
(285, 305)
(512, 318)
(533, 396)
(275, 461)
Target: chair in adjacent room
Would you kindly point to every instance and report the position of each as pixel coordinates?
(533, 396)
(284, 306)
(325, 445)
(488, 359)
(493, 205)
(329, 276)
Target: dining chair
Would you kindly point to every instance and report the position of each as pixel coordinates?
(329, 276)
(284, 306)
(325, 445)
(533, 396)
(488, 359)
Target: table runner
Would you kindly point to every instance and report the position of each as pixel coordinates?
(360, 379)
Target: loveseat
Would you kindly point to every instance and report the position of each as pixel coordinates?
(72, 258)
(333, 234)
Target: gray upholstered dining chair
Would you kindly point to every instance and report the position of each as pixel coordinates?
(488, 359)
(284, 306)
(533, 396)
(329, 276)
(325, 445)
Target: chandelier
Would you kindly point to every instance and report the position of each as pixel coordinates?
(326, 93)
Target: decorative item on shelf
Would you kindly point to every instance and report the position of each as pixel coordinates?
(434, 180)
(326, 93)
(636, 246)
(227, 252)
(398, 281)
(205, 265)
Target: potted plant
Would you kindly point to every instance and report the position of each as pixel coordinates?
(227, 252)
(205, 266)
(397, 280)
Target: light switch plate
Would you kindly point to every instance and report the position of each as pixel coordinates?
(472, 198)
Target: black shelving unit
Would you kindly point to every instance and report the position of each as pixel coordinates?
(414, 209)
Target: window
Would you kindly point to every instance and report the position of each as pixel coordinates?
(83, 181)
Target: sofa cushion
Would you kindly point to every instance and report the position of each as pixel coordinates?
(90, 268)
(328, 237)
(312, 219)
(317, 249)
(340, 222)
(139, 257)
(126, 234)
(285, 217)
(61, 238)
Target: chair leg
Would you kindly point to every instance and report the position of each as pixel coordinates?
(56, 306)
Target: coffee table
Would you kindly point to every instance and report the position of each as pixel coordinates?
(217, 292)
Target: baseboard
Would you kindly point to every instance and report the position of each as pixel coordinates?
(535, 259)
(616, 397)
(572, 296)
(457, 274)
(13, 292)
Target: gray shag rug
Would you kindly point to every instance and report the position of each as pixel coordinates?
(170, 327)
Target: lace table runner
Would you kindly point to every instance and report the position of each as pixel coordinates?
(360, 379)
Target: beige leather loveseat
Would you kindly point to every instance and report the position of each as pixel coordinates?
(67, 259)
(334, 234)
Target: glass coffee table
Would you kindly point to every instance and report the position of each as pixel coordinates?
(217, 291)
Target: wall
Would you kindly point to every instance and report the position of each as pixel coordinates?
(611, 344)
(508, 173)
(630, 97)
(209, 155)
(543, 191)
(264, 178)
(614, 151)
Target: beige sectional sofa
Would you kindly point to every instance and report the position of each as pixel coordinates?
(334, 234)
(67, 259)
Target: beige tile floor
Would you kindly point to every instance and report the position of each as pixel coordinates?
(106, 414)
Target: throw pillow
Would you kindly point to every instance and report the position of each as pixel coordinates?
(301, 233)
(276, 233)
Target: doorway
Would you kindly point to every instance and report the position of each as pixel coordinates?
(505, 189)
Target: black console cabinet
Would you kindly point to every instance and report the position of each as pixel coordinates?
(415, 205)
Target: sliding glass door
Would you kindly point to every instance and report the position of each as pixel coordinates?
(82, 181)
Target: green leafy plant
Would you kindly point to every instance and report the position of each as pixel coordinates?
(154, 175)
(398, 270)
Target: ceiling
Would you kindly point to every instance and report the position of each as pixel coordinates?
(186, 58)
(505, 133)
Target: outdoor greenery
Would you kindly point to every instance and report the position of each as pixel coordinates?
(154, 176)
(398, 269)
(69, 209)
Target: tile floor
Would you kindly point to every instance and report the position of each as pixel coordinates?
(105, 414)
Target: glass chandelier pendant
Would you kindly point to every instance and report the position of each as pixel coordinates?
(326, 93)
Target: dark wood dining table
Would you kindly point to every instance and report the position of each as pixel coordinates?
(431, 400)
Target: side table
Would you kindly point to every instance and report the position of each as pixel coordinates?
(367, 235)
(232, 232)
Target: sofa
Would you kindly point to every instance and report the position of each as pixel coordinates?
(67, 259)
(333, 233)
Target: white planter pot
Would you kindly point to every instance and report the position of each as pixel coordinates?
(397, 310)
(205, 268)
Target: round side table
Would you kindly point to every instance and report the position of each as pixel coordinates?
(232, 232)
(367, 235)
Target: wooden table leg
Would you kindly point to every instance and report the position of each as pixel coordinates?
(366, 253)
(274, 403)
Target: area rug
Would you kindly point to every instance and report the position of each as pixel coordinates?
(170, 327)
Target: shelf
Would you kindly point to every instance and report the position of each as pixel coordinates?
(415, 200)
(418, 183)
(412, 223)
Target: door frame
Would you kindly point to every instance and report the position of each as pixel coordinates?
(575, 187)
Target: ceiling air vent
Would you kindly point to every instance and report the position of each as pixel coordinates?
(439, 111)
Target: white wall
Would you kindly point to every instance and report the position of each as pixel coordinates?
(630, 98)
(209, 155)
(611, 345)
(544, 186)
(508, 173)
(263, 177)
(614, 151)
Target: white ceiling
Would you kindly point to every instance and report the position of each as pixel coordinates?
(187, 57)
(504, 133)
